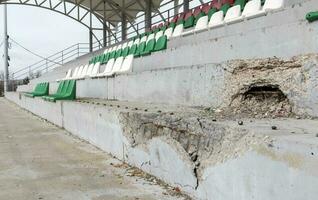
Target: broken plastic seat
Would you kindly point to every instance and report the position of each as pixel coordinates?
(41, 89)
(66, 91)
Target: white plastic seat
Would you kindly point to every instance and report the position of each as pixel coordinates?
(130, 43)
(158, 35)
(252, 9)
(151, 37)
(106, 51)
(117, 65)
(79, 72)
(124, 45)
(89, 69)
(143, 39)
(108, 69)
(273, 5)
(216, 19)
(178, 31)
(127, 64)
(202, 23)
(95, 70)
(137, 41)
(168, 32)
(83, 73)
(119, 47)
(68, 74)
(234, 14)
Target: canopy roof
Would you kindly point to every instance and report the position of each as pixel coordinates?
(113, 8)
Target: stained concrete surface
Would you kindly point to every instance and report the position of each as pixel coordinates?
(41, 161)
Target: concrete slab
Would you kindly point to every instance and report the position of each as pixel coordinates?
(41, 161)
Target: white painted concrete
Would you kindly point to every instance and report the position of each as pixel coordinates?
(285, 170)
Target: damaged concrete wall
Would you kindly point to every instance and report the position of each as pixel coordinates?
(204, 157)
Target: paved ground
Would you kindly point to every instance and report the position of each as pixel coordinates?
(41, 161)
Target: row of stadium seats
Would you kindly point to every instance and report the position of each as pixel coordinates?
(241, 9)
(65, 91)
(119, 58)
(40, 89)
(93, 70)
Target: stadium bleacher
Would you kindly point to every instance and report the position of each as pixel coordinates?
(119, 58)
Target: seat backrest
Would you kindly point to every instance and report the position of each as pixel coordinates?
(117, 65)
(251, 7)
(79, 72)
(124, 45)
(188, 15)
(158, 35)
(89, 69)
(68, 74)
(70, 88)
(233, 12)
(95, 70)
(143, 39)
(137, 41)
(106, 51)
(216, 18)
(65, 86)
(61, 85)
(202, 23)
(84, 71)
(151, 37)
(118, 47)
(178, 30)
(109, 66)
(127, 63)
(273, 4)
(130, 43)
(74, 74)
(169, 32)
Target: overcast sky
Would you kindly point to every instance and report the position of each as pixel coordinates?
(42, 31)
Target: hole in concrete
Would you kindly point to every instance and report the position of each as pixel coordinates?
(262, 101)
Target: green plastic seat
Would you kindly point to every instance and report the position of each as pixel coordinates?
(149, 47)
(312, 16)
(211, 12)
(112, 55)
(66, 91)
(118, 53)
(161, 43)
(189, 22)
(240, 3)
(125, 51)
(201, 14)
(225, 8)
(133, 49)
(105, 58)
(40, 89)
(140, 49)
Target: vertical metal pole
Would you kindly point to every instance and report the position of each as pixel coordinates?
(176, 7)
(148, 15)
(5, 40)
(104, 26)
(185, 5)
(123, 27)
(90, 27)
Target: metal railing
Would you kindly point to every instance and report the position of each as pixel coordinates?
(55, 60)
(166, 12)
